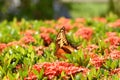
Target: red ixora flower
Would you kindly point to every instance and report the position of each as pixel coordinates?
(64, 22)
(91, 47)
(47, 30)
(115, 54)
(96, 60)
(100, 19)
(29, 32)
(115, 24)
(28, 39)
(114, 40)
(111, 34)
(85, 33)
(54, 69)
(2, 46)
(46, 38)
(31, 76)
(115, 71)
(80, 20)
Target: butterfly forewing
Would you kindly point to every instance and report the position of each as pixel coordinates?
(61, 38)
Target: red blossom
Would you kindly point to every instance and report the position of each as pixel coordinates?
(13, 43)
(54, 69)
(47, 30)
(100, 19)
(91, 47)
(115, 71)
(28, 39)
(29, 32)
(67, 26)
(115, 24)
(80, 20)
(31, 76)
(46, 38)
(115, 54)
(2, 46)
(96, 61)
(63, 20)
(110, 34)
(85, 33)
(114, 40)
(39, 50)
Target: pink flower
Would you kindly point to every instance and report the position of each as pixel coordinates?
(85, 33)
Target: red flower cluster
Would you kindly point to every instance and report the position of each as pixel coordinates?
(29, 32)
(54, 69)
(100, 19)
(115, 71)
(47, 30)
(111, 34)
(114, 40)
(115, 24)
(46, 38)
(96, 60)
(64, 21)
(91, 47)
(85, 33)
(32, 76)
(39, 50)
(115, 54)
(28, 39)
(80, 20)
(2, 46)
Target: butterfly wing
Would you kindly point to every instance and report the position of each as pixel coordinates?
(62, 45)
(61, 38)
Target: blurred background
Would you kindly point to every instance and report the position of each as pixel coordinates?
(53, 9)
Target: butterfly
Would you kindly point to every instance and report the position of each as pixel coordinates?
(62, 44)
